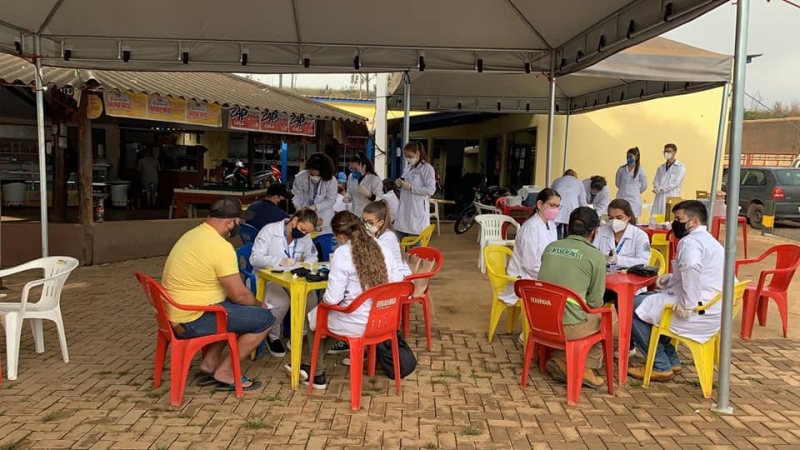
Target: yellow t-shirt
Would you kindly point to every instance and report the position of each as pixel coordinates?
(193, 269)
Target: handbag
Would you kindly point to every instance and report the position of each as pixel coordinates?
(643, 271)
(383, 353)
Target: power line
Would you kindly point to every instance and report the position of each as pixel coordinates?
(784, 118)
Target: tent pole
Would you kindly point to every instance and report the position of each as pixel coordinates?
(566, 142)
(740, 66)
(406, 118)
(550, 119)
(42, 162)
(723, 120)
(381, 125)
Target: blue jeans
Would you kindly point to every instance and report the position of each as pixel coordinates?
(401, 235)
(666, 356)
(242, 319)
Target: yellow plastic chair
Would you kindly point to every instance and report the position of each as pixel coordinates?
(705, 355)
(423, 239)
(657, 260)
(496, 257)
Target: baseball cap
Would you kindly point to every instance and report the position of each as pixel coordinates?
(279, 189)
(229, 208)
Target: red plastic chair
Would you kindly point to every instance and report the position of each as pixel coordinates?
(183, 350)
(432, 254)
(381, 326)
(544, 305)
(756, 297)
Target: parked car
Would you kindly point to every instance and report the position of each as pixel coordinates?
(757, 184)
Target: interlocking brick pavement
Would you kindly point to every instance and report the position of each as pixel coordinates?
(464, 394)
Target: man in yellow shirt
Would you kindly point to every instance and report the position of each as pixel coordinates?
(202, 270)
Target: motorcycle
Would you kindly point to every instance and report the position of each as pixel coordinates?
(474, 184)
(267, 178)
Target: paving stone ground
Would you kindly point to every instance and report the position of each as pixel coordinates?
(465, 393)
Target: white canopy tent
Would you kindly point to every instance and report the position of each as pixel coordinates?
(359, 35)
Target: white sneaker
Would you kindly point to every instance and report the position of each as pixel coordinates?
(631, 354)
(521, 339)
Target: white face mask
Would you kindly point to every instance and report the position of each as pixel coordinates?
(371, 229)
(618, 225)
(315, 178)
(667, 155)
(411, 161)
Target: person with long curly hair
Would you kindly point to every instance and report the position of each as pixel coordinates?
(359, 263)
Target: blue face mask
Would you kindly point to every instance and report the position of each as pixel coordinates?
(356, 175)
(630, 160)
(297, 234)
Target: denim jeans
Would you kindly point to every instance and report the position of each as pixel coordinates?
(242, 319)
(666, 356)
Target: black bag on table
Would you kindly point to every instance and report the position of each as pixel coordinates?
(643, 271)
(383, 354)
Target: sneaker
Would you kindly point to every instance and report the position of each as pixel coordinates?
(319, 381)
(638, 373)
(276, 348)
(304, 370)
(557, 369)
(676, 369)
(631, 353)
(339, 347)
(521, 339)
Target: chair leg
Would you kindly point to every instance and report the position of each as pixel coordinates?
(62, 335)
(372, 359)
(233, 345)
(526, 363)
(608, 360)
(762, 308)
(405, 310)
(576, 363)
(426, 312)
(396, 360)
(177, 379)
(162, 343)
(356, 372)
(655, 334)
(38, 334)
(315, 354)
(494, 316)
(13, 335)
(749, 303)
(783, 310)
(703, 355)
(511, 318)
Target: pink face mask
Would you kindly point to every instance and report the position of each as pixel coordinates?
(550, 214)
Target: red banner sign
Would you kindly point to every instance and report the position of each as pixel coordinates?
(267, 121)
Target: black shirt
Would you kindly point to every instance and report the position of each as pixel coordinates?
(265, 212)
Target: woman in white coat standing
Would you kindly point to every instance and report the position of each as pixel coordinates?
(597, 194)
(416, 187)
(363, 184)
(573, 195)
(632, 181)
(316, 188)
(282, 245)
(668, 180)
(359, 263)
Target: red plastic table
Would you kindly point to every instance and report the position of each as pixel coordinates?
(625, 285)
(509, 210)
(719, 220)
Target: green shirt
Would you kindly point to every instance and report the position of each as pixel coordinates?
(576, 264)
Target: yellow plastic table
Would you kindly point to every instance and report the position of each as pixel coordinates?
(298, 292)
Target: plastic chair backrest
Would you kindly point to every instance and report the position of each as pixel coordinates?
(544, 305)
(430, 254)
(56, 270)
(156, 296)
(245, 269)
(486, 209)
(385, 311)
(787, 257)
(657, 260)
(425, 236)
(327, 244)
(492, 225)
(496, 258)
(247, 233)
(738, 295)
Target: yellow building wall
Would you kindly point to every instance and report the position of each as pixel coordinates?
(217, 144)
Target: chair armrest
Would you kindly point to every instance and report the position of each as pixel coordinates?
(601, 310)
(344, 309)
(17, 269)
(762, 278)
(743, 262)
(666, 317)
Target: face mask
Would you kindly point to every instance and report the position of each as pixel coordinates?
(618, 225)
(297, 234)
(667, 155)
(356, 175)
(372, 229)
(234, 231)
(315, 178)
(630, 160)
(412, 161)
(679, 229)
(550, 214)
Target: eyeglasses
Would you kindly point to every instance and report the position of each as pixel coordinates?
(550, 205)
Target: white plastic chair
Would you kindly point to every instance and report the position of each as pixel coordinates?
(56, 271)
(492, 233)
(485, 209)
(435, 215)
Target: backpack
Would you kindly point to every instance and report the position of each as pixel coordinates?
(383, 354)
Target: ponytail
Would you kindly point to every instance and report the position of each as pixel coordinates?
(380, 209)
(367, 254)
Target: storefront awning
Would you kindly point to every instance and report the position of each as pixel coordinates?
(226, 90)
(656, 68)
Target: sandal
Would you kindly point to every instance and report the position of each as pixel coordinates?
(225, 387)
(206, 380)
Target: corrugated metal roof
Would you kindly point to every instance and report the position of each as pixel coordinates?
(220, 88)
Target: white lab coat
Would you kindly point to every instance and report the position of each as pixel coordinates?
(323, 199)
(271, 246)
(667, 183)
(340, 205)
(358, 200)
(390, 244)
(413, 213)
(343, 287)
(601, 199)
(393, 202)
(633, 249)
(573, 195)
(529, 244)
(697, 277)
(631, 188)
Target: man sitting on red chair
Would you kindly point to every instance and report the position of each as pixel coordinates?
(574, 263)
(201, 269)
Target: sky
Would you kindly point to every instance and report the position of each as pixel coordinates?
(774, 32)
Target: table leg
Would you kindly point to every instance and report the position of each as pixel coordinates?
(180, 207)
(625, 315)
(297, 312)
(744, 236)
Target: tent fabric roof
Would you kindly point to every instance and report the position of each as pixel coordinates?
(656, 68)
(223, 89)
(451, 35)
